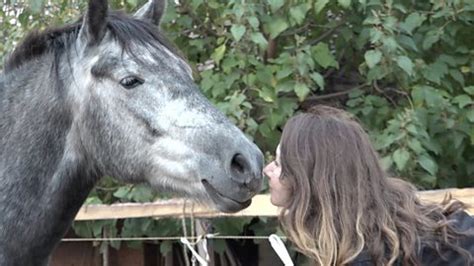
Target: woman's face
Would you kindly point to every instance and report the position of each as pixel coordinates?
(279, 194)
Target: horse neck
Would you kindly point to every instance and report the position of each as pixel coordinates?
(44, 178)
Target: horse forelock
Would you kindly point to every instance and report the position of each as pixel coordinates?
(124, 29)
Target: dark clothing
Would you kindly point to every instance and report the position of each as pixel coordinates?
(429, 256)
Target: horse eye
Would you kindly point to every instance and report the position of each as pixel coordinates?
(131, 82)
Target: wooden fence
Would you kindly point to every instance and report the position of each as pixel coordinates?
(82, 251)
(260, 206)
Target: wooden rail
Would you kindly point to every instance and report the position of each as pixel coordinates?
(260, 206)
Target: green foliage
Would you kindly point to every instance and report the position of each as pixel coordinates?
(404, 68)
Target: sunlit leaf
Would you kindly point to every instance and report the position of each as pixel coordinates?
(372, 57)
(318, 78)
(319, 5)
(237, 31)
(277, 26)
(462, 100)
(431, 38)
(254, 22)
(323, 55)
(298, 13)
(122, 192)
(218, 53)
(469, 90)
(413, 21)
(401, 157)
(406, 64)
(428, 164)
(301, 91)
(259, 39)
(36, 5)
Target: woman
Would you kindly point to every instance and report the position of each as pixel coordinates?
(340, 208)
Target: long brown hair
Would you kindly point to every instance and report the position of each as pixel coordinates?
(343, 202)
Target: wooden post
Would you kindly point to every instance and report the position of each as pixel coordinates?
(200, 227)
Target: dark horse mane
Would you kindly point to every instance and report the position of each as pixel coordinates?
(56, 40)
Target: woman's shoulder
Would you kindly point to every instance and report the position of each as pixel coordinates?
(363, 259)
(462, 222)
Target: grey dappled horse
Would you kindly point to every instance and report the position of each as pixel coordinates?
(107, 96)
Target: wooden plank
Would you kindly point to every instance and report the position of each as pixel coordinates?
(260, 206)
(171, 208)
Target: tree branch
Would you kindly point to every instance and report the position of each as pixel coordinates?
(335, 94)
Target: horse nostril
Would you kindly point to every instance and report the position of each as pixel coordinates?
(239, 164)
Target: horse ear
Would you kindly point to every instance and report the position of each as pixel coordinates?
(94, 23)
(152, 11)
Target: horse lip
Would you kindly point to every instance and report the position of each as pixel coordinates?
(223, 203)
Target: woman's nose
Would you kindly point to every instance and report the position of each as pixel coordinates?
(267, 170)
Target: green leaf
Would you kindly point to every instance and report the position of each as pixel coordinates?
(431, 96)
(415, 146)
(141, 193)
(82, 229)
(196, 3)
(277, 26)
(298, 13)
(323, 56)
(469, 90)
(122, 192)
(389, 44)
(301, 91)
(237, 31)
(318, 78)
(24, 17)
(429, 179)
(258, 38)
(470, 116)
(284, 72)
(165, 247)
(344, 3)
(431, 38)
(267, 94)
(385, 140)
(428, 164)
(97, 228)
(93, 200)
(401, 157)
(375, 73)
(319, 5)
(36, 5)
(238, 11)
(406, 64)
(275, 4)
(432, 145)
(253, 21)
(386, 162)
(133, 3)
(450, 60)
(407, 42)
(457, 75)
(218, 53)
(376, 35)
(413, 21)
(435, 72)
(462, 100)
(372, 57)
